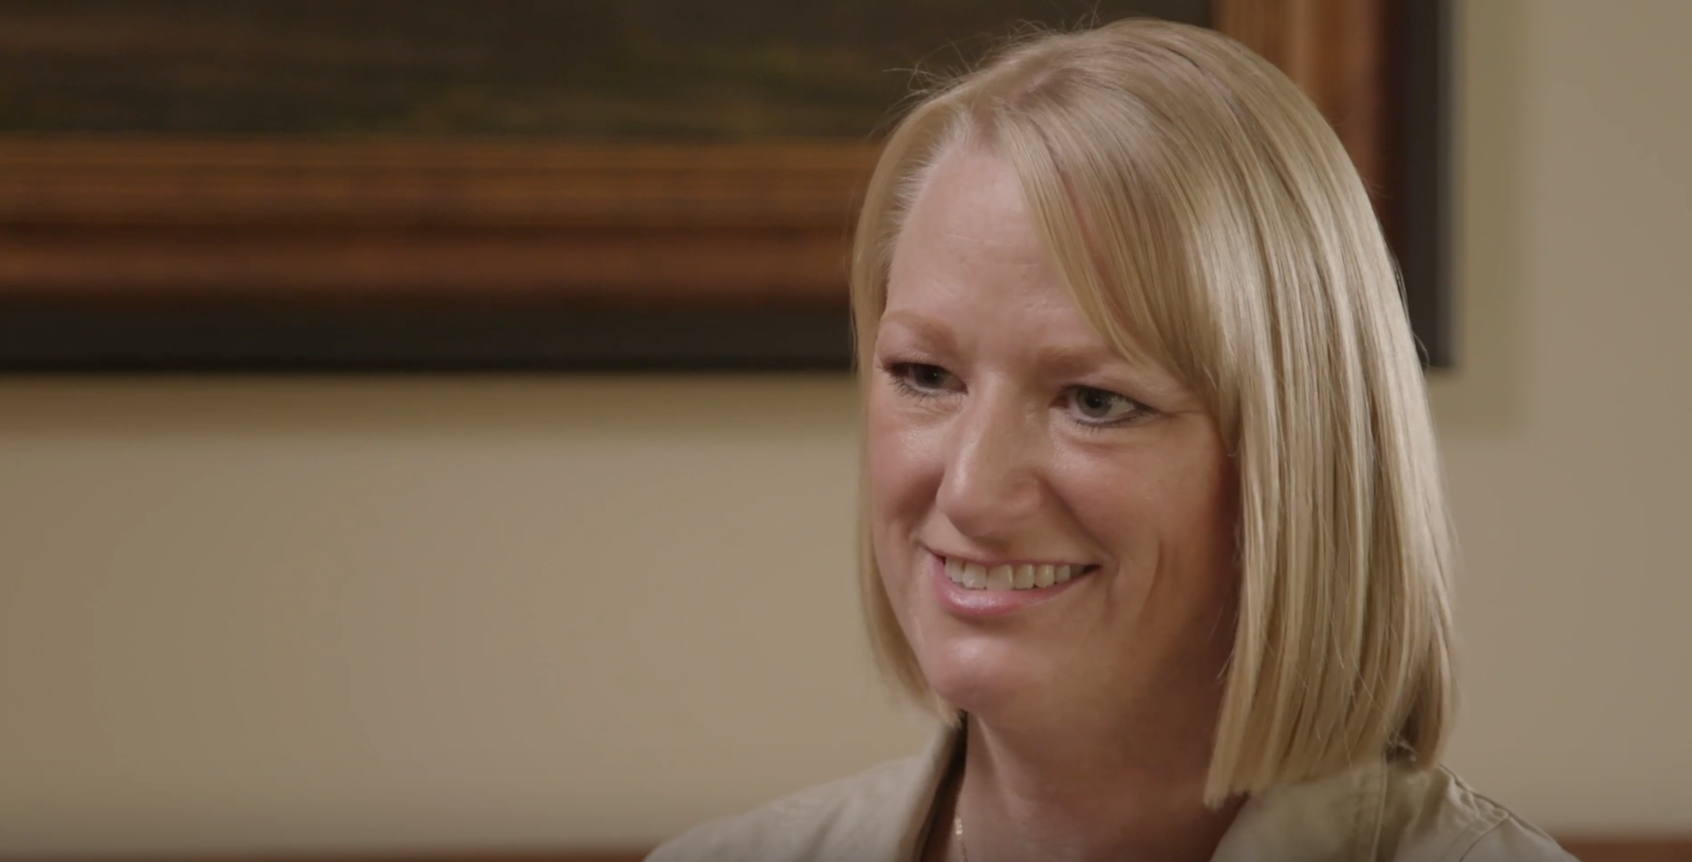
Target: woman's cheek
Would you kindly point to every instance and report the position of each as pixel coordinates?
(897, 438)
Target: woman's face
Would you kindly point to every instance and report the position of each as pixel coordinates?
(1010, 448)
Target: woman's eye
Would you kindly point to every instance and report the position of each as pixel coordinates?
(921, 376)
(1101, 406)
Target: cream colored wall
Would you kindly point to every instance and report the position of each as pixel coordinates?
(1566, 436)
(244, 614)
(348, 614)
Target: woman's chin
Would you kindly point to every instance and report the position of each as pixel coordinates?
(985, 684)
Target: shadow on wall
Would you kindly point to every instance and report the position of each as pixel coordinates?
(1483, 392)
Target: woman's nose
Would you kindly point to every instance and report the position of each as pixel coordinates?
(991, 484)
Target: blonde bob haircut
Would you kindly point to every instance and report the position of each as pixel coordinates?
(1207, 220)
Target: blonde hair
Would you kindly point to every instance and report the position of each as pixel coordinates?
(1207, 219)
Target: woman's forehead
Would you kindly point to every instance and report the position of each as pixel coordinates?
(965, 194)
(969, 219)
(970, 241)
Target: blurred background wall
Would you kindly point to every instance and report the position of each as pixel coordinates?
(344, 614)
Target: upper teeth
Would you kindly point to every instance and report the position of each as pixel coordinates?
(974, 576)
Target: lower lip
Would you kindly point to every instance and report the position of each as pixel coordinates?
(982, 604)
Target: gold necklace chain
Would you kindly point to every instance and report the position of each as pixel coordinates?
(957, 832)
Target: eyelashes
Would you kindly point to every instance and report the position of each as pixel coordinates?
(1101, 406)
(1090, 407)
(920, 379)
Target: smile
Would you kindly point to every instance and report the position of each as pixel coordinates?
(1001, 578)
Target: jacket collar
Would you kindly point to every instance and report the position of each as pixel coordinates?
(1331, 819)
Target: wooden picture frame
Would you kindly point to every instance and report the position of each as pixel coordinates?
(276, 254)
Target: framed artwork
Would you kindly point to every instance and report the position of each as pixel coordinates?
(444, 185)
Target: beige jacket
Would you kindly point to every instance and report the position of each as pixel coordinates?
(1371, 814)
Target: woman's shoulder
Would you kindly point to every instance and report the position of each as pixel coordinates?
(871, 815)
(1383, 813)
(1435, 815)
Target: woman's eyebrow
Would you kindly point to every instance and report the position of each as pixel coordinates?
(1072, 361)
(925, 329)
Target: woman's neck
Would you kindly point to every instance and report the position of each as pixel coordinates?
(1087, 793)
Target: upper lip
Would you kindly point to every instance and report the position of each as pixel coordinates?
(1004, 562)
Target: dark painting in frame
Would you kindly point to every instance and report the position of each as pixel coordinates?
(505, 227)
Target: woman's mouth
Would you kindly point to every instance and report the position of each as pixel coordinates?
(1011, 576)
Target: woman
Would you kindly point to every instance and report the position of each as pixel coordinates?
(1153, 519)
